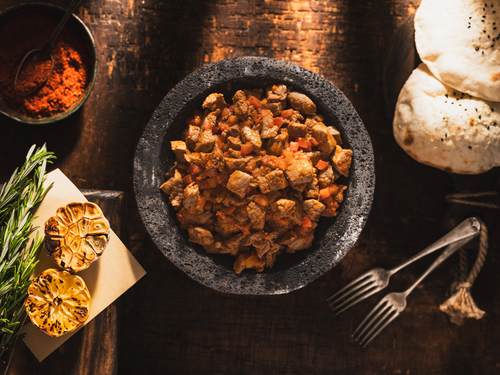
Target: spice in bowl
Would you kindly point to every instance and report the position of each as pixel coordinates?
(69, 78)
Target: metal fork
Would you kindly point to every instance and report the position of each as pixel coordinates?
(377, 279)
(394, 303)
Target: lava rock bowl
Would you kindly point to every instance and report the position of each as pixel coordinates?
(83, 35)
(334, 237)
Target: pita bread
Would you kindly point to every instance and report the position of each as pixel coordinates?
(459, 40)
(444, 128)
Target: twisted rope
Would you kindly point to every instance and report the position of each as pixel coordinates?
(461, 305)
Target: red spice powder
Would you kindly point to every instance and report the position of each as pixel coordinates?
(69, 78)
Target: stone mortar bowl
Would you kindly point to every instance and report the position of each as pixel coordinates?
(334, 237)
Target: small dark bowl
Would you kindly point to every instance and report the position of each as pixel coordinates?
(85, 36)
(334, 237)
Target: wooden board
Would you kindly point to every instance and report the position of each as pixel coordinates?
(94, 349)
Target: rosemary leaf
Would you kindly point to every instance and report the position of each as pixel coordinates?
(19, 198)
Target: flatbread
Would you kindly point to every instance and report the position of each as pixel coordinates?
(459, 40)
(444, 128)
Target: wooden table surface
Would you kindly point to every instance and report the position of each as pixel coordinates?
(170, 324)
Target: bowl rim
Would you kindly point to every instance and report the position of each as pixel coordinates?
(78, 104)
(200, 267)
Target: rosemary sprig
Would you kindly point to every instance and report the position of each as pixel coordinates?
(19, 198)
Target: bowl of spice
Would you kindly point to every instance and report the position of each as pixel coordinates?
(27, 27)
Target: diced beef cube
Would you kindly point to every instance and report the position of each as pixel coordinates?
(277, 144)
(192, 136)
(276, 93)
(257, 215)
(342, 160)
(214, 101)
(285, 207)
(326, 141)
(180, 150)
(269, 130)
(301, 103)
(312, 189)
(313, 209)
(226, 225)
(296, 241)
(249, 135)
(236, 163)
(300, 172)
(200, 236)
(239, 182)
(234, 143)
(191, 196)
(273, 181)
(336, 134)
(210, 120)
(239, 95)
(232, 131)
(175, 188)
(231, 153)
(276, 107)
(254, 92)
(189, 219)
(296, 129)
(205, 142)
(215, 159)
(326, 177)
(249, 260)
(314, 156)
(232, 199)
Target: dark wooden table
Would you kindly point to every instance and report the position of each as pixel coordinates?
(168, 323)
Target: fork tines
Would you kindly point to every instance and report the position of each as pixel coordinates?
(375, 322)
(354, 292)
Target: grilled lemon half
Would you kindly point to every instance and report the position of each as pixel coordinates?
(77, 235)
(58, 302)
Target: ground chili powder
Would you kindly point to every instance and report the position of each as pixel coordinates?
(69, 78)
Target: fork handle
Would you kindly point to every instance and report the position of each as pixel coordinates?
(466, 230)
(444, 255)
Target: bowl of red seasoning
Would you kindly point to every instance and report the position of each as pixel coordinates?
(27, 27)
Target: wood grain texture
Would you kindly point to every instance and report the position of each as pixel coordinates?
(172, 325)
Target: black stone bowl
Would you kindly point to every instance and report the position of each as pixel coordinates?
(334, 237)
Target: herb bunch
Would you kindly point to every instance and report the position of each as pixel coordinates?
(19, 198)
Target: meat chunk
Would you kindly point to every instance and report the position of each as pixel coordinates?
(273, 181)
(206, 141)
(239, 182)
(210, 120)
(276, 98)
(249, 260)
(236, 163)
(188, 219)
(326, 177)
(214, 101)
(313, 209)
(234, 143)
(268, 130)
(285, 207)
(300, 172)
(215, 159)
(200, 236)
(342, 160)
(226, 225)
(322, 135)
(180, 150)
(336, 134)
(295, 242)
(175, 188)
(312, 189)
(277, 144)
(301, 103)
(257, 215)
(296, 129)
(191, 196)
(192, 136)
(249, 135)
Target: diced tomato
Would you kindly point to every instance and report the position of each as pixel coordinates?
(246, 149)
(246, 228)
(212, 182)
(306, 222)
(294, 146)
(325, 193)
(314, 141)
(207, 125)
(321, 165)
(187, 179)
(221, 144)
(287, 154)
(278, 122)
(261, 199)
(215, 130)
(232, 119)
(223, 126)
(254, 101)
(230, 210)
(287, 113)
(334, 189)
(194, 169)
(304, 143)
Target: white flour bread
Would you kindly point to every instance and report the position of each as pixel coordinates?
(459, 40)
(442, 127)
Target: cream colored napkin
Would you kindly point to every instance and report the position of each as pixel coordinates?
(107, 278)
